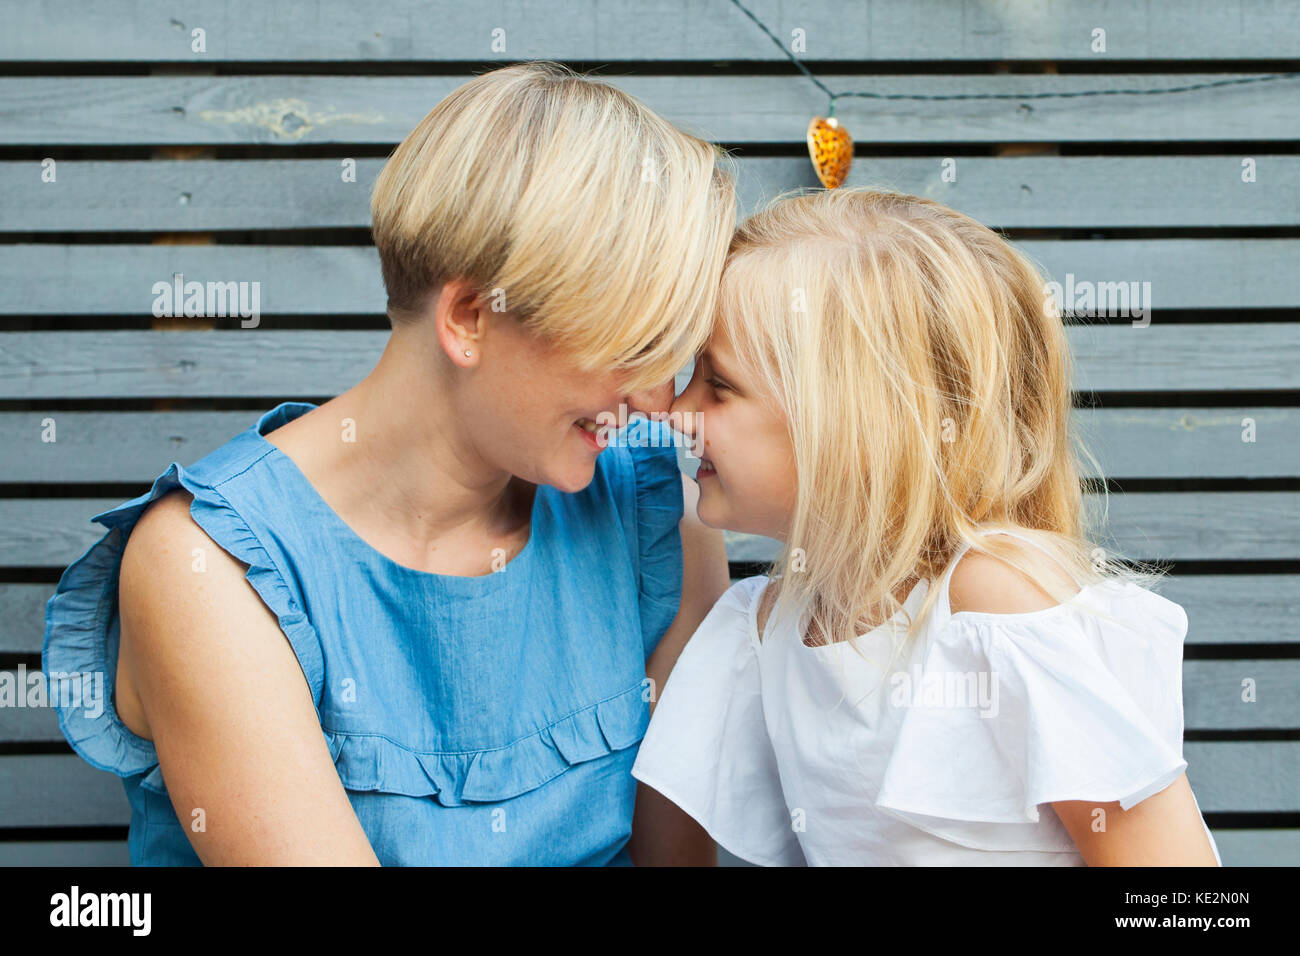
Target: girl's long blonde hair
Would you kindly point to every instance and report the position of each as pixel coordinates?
(925, 374)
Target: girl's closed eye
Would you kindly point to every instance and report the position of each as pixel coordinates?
(718, 385)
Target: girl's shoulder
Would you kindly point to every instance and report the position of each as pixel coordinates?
(980, 592)
(1003, 711)
(984, 584)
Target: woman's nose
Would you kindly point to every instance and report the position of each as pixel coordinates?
(654, 402)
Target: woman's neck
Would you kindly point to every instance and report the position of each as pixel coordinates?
(390, 461)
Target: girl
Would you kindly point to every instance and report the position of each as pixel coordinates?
(412, 625)
(943, 668)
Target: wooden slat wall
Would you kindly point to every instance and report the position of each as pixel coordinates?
(1111, 188)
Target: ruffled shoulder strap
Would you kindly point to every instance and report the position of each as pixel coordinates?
(708, 750)
(1008, 712)
(81, 619)
(658, 503)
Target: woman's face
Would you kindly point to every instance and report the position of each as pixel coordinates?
(523, 399)
(747, 472)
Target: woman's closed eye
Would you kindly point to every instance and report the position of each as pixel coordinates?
(718, 385)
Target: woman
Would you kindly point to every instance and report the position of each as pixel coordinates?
(457, 590)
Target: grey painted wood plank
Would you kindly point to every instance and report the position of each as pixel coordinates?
(22, 617)
(289, 108)
(1171, 357)
(1237, 608)
(63, 790)
(1181, 525)
(64, 853)
(59, 790)
(1266, 847)
(1182, 273)
(1139, 274)
(1244, 776)
(1213, 692)
(104, 280)
(1191, 442)
(189, 364)
(1085, 191)
(1178, 525)
(1221, 609)
(682, 30)
(60, 528)
(32, 724)
(1128, 442)
(1010, 192)
(111, 446)
(1204, 526)
(265, 362)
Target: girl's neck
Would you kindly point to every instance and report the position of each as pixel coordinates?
(815, 636)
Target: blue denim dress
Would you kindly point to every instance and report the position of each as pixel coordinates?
(485, 720)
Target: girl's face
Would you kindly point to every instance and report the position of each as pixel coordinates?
(747, 473)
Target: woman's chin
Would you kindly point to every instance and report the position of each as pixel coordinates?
(570, 476)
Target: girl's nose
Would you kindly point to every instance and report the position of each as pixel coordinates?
(683, 411)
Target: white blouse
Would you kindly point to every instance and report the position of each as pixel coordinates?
(790, 755)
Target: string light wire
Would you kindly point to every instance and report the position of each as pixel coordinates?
(866, 94)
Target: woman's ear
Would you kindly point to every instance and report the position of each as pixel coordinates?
(459, 321)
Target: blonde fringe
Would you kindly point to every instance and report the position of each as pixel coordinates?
(596, 222)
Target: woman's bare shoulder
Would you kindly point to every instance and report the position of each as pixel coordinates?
(187, 612)
(167, 548)
(230, 710)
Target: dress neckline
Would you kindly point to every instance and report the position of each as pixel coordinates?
(286, 412)
(910, 603)
(941, 613)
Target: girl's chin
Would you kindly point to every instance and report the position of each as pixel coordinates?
(723, 520)
(712, 517)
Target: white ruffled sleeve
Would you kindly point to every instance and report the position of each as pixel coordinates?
(707, 748)
(1076, 708)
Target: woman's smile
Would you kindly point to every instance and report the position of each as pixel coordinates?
(591, 433)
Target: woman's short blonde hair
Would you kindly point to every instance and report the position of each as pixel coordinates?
(925, 376)
(571, 206)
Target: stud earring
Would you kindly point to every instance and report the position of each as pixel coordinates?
(467, 353)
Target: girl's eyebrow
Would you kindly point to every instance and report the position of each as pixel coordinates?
(713, 365)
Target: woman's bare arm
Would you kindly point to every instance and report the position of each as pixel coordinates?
(225, 702)
(662, 834)
(1163, 830)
